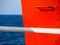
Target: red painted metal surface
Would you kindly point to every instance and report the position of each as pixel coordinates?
(42, 14)
(33, 17)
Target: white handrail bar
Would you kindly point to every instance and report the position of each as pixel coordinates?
(27, 29)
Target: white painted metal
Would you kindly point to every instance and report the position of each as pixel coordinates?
(27, 29)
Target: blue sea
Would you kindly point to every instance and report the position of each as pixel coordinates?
(11, 38)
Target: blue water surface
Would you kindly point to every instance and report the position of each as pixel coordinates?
(11, 38)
